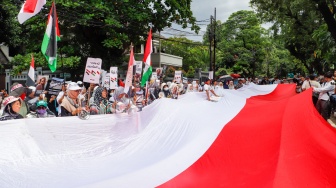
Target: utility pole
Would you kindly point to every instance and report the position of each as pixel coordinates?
(212, 44)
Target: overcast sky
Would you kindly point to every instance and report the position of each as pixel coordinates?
(203, 9)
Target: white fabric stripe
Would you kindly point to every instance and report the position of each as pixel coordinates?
(143, 150)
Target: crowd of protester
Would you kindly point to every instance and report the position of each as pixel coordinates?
(74, 98)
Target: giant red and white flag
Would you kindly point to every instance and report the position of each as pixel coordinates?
(29, 9)
(257, 136)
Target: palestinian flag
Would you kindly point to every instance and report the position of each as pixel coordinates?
(29, 9)
(31, 73)
(253, 137)
(51, 36)
(147, 60)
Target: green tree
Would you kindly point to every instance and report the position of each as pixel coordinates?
(294, 23)
(96, 28)
(195, 55)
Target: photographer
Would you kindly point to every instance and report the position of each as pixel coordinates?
(327, 89)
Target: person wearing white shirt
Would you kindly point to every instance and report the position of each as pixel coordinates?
(208, 89)
(325, 91)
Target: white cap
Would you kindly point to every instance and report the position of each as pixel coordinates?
(73, 86)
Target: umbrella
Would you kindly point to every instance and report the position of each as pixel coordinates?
(234, 75)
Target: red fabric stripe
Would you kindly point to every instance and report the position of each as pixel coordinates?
(277, 140)
(29, 6)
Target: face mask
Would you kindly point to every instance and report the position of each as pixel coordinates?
(41, 111)
(166, 89)
(111, 94)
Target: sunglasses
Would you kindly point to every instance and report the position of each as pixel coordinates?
(41, 107)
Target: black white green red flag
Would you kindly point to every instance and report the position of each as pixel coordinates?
(31, 73)
(51, 36)
(147, 60)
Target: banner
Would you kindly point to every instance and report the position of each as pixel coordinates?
(92, 70)
(113, 77)
(159, 72)
(177, 77)
(55, 86)
(42, 81)
(106, 82)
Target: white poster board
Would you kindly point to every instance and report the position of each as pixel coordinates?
(92, 70)
(177, 77)
(106, 82)
(113, 77)
(138, 65)
(154, 76)
(211, 75)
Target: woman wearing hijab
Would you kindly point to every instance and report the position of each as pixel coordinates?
(101, 100)
(12, 107)
(166, 91)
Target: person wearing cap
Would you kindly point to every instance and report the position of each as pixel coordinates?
(18, 90)
(31, 99)
(70, 105)
(42, 110)
(11, 108)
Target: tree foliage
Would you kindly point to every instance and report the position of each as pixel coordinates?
(296, 23)
(195, 55)
(94, 28)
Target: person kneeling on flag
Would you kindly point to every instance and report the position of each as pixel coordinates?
(207, 88)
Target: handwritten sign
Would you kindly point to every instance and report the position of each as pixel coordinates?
(92, 70)
(177, 77)
(113, 77)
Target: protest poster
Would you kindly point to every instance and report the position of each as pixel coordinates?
(177, 77)
(55, 86)
(211, 75)
(154, 76)
(42, 81)
(159, 72)
(106, 82)
(113, 77)
(92, 70)
(138, 70)
(102, 76)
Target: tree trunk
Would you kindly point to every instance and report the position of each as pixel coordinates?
(328, 17)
